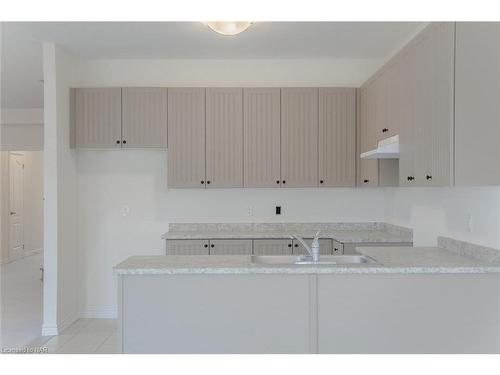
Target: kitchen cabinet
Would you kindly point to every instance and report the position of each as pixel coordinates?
(96, 118)
(261, 128)
(299, 137)
(426, 141)
(224, 137)
(325, 246)
(477, 98)
(186, 135)
(368, 168)
(272, 247)
(144, 117)
(337, 248)
(231, 247)
(187, 247)
(337, 137)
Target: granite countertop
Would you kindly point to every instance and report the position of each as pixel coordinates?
(456, 258)
(341, 232)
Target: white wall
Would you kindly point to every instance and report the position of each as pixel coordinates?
(110, 180)
(33, 201)
(60, 212)
(21, 129)
(466, 213)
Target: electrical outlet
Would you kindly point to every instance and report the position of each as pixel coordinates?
(250, 211)
(278, 210)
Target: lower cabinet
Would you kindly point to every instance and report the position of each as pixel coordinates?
(337, 247)
(272, 247)
(187, 247)
(325, 246)
(230, 247)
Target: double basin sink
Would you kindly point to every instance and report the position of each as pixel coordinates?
(304, 260)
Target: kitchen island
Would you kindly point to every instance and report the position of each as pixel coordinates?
(411, 300)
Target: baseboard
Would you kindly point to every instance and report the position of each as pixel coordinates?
(49, 330)
(99, 313)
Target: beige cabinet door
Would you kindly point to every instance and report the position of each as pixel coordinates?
(337, 137)
(299, 137)
(230, 247)
(224, 137)
(261, 136)
(368, 168)
(337, 248)
(325, 246)
(144, 117)
(477, 99)
(434, 112)
(187, 247)
(96, 117)
(272, 247)
(186, 138)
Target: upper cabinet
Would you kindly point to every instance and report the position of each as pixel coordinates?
(261, 137)
(299, 137)
(224, 137)
(477, 103)
(186, 136)
(144, 117)
(337, 137)
(96, 115)
(118, 118)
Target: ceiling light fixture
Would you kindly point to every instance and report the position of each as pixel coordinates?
(228, 28)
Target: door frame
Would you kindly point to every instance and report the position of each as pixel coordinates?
(9, 238)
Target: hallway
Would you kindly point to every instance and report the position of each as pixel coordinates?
(21, 303)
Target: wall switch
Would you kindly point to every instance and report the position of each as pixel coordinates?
(278, 210)
(470, 223)
(250, 211)
(125, 210)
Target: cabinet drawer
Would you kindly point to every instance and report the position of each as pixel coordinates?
(230, 247)
(272, 247)
(187, 247)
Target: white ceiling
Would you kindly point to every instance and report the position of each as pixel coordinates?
(22, 60)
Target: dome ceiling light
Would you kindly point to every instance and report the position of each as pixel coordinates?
(228, 28)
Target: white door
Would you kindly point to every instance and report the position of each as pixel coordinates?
(16, 238)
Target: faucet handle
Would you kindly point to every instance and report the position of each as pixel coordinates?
(316, 236)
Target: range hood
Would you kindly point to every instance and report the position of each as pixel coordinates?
(387, 149)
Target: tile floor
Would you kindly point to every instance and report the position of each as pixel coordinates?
(86, 336)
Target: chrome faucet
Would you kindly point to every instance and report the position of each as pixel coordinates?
(313, 250)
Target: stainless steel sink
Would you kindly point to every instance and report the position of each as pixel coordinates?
(302, 260)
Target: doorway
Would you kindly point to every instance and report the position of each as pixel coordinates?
(21, 198)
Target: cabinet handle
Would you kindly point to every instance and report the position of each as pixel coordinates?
(366, 181)
(212, 245)
(284, 181)
(278, 182)
(202, 182)
(296, 245)
(335, 249)
(289, 245)
(428, 177)
(320, 181)
(385, 130)
(117, 142)
(411, 178)
(206, 245)
(208, 182)
(124, 141)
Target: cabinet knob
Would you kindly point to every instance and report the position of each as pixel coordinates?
(385, 130)
(202, 182)
(411, 178)
(284, 182)
(320, 181)
(289, 245)
(118, 142)
(278, 182)
(124, 141)
(366, 181)
(335, 250)
(296, 245)
(428, 177)
(212, 245)
(206, 245)
(208, 182)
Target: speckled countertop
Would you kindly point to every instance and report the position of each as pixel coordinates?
(341, 232)
(455, 258)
